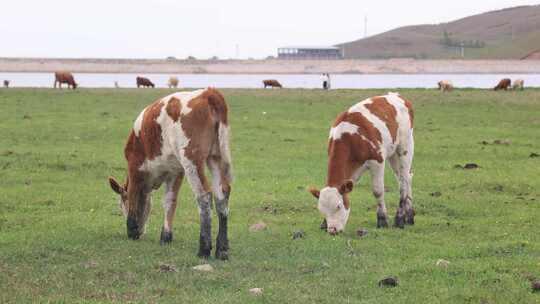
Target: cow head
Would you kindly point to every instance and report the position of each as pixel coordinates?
(122, 191)
(75, 85)
(333, 203)
(136, 220)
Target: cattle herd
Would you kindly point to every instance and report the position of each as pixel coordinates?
(185, 133)
(65, 77)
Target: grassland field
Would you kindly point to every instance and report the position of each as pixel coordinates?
(63, 238)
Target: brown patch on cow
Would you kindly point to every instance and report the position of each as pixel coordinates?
(386, 112)
(351, 151)
(150, 134)
(174, 108)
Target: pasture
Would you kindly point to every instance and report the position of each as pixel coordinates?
(63, 238)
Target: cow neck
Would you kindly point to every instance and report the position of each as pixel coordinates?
(339, 164)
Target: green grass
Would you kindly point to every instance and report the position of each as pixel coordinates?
(62, 238)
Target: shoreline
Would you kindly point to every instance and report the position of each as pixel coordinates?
(272, 66)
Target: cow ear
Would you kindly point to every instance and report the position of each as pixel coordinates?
(314, 192)
(115, 186)
(346, 187)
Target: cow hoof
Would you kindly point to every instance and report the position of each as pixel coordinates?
(166, 237)
(204, 253)
(400, 222)
(409, 218)
(382, 222)
(323, 225)
(222, 255)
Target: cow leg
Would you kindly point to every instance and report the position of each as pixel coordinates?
(405, 212)
(221, 190)
(172, 186)
(199, 186)
(377, 181)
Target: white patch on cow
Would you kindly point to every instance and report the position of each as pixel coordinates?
(387, 146)
(138, 123)
(342, 128)
(332, 207)
(185, 98)
(402, 117)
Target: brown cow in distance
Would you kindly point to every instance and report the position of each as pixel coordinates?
(64, 77)
(504, 84)
(272, 83)
(144, 82)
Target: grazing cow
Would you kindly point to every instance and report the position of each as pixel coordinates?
(144, 82)
(363, 138)
(504, 84)
(271, 83)
(6, 83)
(64, 77)
(445, 85)
(172, 138)
(518, 84)
(173, 82)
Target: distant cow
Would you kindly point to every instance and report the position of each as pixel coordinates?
(173, 82)
(6, 83)
(363, 138)
(518, 84)
(445, 85)
(504, 84)
(64, 77)
(144, 82)
(176, 136)
(272, 83)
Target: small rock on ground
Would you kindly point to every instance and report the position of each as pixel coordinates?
(204, 267)
(442, 263)
(257, 227)
(361, 232)
(535, 286)
(436, 194)
(298, 234)
(167, 268)
(389, 282)
(256, 291)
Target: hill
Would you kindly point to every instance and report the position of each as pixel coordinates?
(511, 33)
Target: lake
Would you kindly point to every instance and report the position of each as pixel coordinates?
(307, 81)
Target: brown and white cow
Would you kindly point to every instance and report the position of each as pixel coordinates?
(144, 82)
(363, 138)
(272, 83)
(64, 77)
(177, 136)
(445, 85)
(504, 84)
(518, 84)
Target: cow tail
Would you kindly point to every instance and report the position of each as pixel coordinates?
(224, 150)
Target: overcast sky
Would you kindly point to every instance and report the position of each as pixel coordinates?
(205, 28)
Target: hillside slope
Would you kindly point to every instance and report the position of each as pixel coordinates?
(510, 33)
